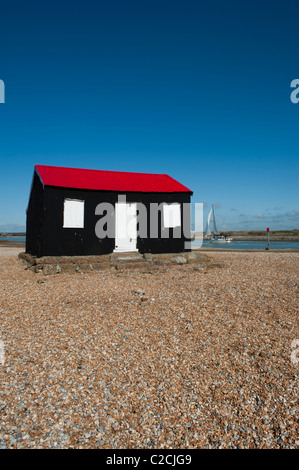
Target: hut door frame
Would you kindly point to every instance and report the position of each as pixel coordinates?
(125, 226)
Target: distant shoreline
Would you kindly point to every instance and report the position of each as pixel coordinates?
(242, 234)
(257, 235)
(12, 235)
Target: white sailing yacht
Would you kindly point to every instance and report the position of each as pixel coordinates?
(217, 238)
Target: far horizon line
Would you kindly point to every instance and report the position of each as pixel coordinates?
(193, 231)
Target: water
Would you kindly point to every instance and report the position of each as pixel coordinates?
(14, 239)
(234, 245)
(246, 245)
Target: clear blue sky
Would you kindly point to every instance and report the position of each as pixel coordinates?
(198, 90)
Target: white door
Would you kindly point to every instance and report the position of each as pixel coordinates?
(125, 227)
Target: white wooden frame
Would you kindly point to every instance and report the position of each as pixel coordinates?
(73, 213)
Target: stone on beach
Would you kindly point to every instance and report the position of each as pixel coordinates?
(176, 356)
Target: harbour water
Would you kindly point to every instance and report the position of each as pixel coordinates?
(13, 239)
(247, 245)
(234, 245)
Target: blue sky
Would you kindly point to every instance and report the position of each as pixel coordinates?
(198, 90)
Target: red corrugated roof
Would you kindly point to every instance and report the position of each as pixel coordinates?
(108, 180)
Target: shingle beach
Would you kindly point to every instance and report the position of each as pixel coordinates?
(182, 356)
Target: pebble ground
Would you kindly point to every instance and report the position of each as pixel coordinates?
(199, 355)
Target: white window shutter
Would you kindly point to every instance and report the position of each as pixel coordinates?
(73, 213)
(171, 215)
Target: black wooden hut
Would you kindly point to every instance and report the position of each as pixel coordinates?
(74, 212)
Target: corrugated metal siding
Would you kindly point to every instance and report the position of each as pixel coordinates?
(74, 242)
(34, 219)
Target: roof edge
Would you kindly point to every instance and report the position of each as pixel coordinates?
(184, 189)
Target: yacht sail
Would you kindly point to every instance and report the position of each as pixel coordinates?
(214, 222)
(208, 230)
(217, 238)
